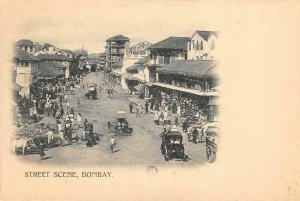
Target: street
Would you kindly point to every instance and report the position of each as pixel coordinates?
(141, 148)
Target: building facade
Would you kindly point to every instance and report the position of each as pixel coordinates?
(202, 45)
(115, 49)
(132, 56)
(193, 80)
(26, 67)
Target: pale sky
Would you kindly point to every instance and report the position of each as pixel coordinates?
(70, 25)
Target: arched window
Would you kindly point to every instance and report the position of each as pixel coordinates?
(213, 45)
(197, 46)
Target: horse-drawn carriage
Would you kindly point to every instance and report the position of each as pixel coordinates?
(172, 146)
(92, 92)
(120, 126)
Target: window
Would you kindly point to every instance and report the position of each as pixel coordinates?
(190, 46)
(197, 46)
(20, 77)
(24, 64)
(201, 45)
(213, 45)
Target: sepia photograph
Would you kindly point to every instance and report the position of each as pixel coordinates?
(130, 104)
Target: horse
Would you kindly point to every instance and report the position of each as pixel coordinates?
(18, 144)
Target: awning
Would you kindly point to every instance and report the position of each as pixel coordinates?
(118, 64)
(192, 91)
(139, 87)
(17, 87)
(134, 67)
(130, 77)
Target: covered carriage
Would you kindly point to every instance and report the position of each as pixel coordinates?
(120, 126)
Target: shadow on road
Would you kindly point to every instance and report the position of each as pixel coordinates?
(48, 157)
(66, 145)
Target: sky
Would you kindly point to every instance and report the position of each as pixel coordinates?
(72, 24)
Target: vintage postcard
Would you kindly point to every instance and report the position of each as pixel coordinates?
(150, 100)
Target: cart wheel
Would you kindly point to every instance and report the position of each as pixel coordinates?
(167, 158)
(60, 142)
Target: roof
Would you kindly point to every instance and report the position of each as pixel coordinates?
(134, 67)
(118, 38)
(49, 69)
(24, 56)
(171, 133)
(189, 67)
(52, 65)
(94, 55)
(47, 45)
(206, 34)
(17, 87)
(53, 57)
(172, 43)
(143, 60)
(67, 51)
(25, 42)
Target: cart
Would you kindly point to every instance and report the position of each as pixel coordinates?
(120, 126)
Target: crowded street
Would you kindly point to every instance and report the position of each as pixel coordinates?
(140, 148)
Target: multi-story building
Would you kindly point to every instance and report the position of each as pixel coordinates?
(26, 67)
(115, 49)
(165, 52)
(202, 45)
(133, 54)
(196, 80)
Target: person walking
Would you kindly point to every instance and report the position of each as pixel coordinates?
(78, 103)
(131, 107)
(62, 112)
(65, 97)
(41, 151)
(79, 120)
(146, 107)
(176, 120)
(112, 143)
(68, 105)
(50, 136)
